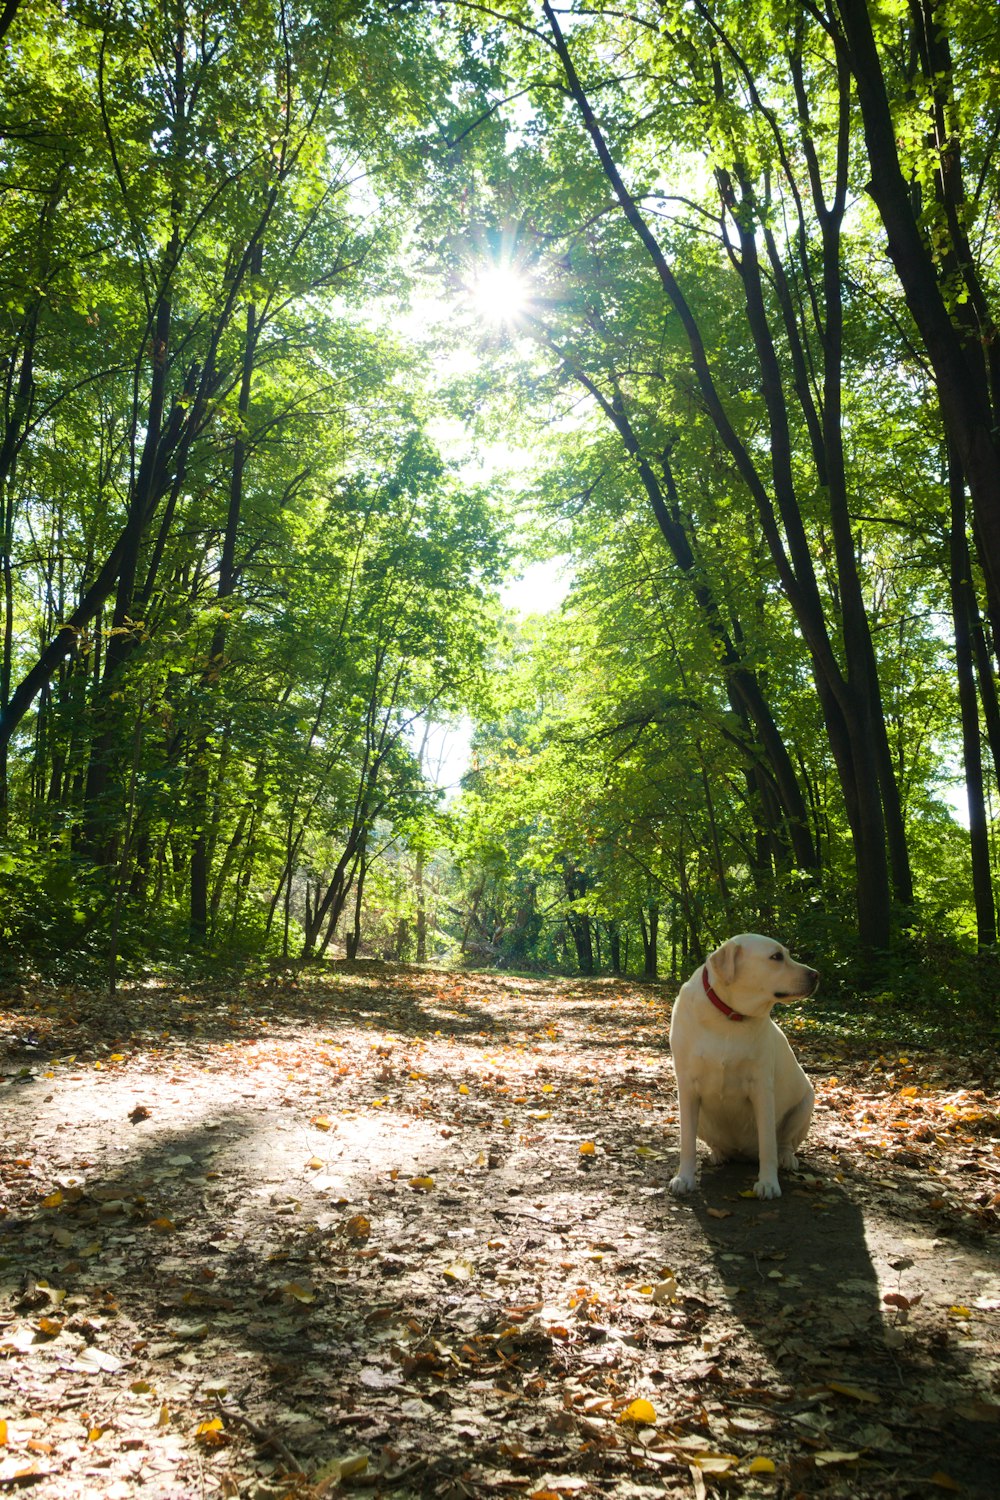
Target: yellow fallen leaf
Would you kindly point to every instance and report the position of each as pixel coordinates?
(117, 1057)
(643, 1413)
(358, 1227)
(53, 1200)
(163, 1420)
(959, 1312)
(314, 1164)
(459, 1270)
(854, 1391)
(321, 1122)
(300, 1291)
(94, 1433)
(211, 1434)
(3, 1433)
(463, 1088)
(50, 1326)
(761, 1466)
(422, 1184)
(162, 1226)
(141, 1387)
(539, 1114)
(587, 1148)
(339, 1468)
(944, 1482)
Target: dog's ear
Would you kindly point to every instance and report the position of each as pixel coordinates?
(723, 961)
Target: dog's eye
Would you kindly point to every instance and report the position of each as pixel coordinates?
(777, 958)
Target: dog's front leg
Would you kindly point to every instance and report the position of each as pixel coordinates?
(689, 1102)
(766, 1185)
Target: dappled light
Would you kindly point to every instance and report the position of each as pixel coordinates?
(416, 1219)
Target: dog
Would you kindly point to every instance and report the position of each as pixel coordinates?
(739, 1086)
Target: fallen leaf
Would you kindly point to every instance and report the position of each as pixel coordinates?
(211, 1434)
(714, 1463)
(641, 1412)
(330, 1475)
(855, 1392)
(459, 1270)
(300, 1291)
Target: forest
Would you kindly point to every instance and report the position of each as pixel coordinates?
(323, 323)
(496, 498)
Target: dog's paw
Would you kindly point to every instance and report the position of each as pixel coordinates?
(681, 1184)
(717, 1158)
(788, 1161)
(766, 1187)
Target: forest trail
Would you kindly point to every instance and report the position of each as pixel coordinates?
(404, 1232)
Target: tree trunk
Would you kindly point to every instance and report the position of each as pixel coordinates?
(200, 851)
(649, 926)
(962, 357)
(421, 893)
(962, 593)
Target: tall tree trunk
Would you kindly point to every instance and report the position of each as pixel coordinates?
(200, 846)
(962, 597)
(418, 880)
(649, 927)
(959, 334)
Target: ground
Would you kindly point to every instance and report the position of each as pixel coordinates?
(398, 1232)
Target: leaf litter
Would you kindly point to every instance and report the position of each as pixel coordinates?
(385, 1230)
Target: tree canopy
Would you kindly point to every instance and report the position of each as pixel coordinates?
(319, 323)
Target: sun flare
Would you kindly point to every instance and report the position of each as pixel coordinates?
(500, 293)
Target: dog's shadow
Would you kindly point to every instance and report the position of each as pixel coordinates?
(796, 1269)
(812, 1325)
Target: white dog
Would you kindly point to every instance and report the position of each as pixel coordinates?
(738, 1084)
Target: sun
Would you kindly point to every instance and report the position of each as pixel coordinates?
(499, 293)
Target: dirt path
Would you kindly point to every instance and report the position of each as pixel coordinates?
(404, 1233)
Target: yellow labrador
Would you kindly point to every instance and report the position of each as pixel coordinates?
(738, 1084)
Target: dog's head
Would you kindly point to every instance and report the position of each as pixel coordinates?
(752, 973)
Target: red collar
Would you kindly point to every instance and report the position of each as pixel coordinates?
(727, 1010)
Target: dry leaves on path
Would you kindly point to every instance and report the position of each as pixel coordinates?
(405, 1232)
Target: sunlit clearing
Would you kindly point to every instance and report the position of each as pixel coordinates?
(499, 293)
